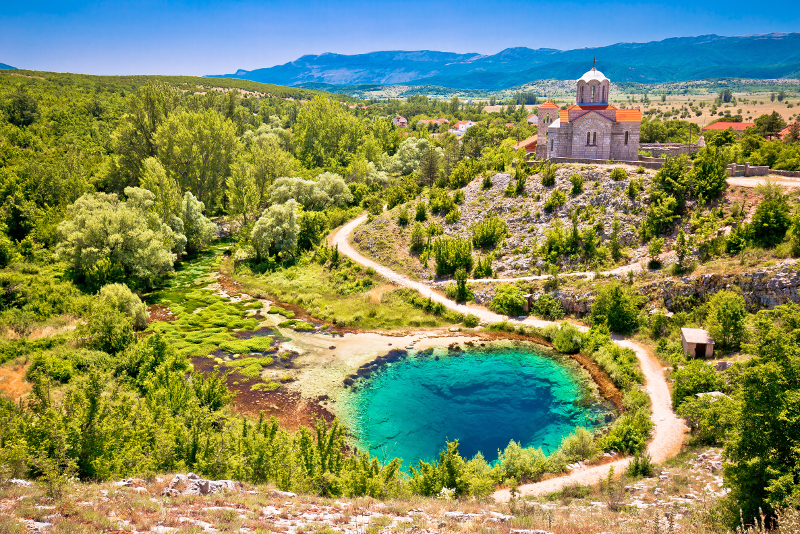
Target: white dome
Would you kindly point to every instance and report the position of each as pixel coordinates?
(594, 74)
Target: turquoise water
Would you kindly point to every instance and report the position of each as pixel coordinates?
(484, 398)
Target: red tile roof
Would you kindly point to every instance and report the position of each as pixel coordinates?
(563, 115)
(527, 142)
(735, 126)
(548, 105)
(783, 133)
(629, 115)
(591, 107)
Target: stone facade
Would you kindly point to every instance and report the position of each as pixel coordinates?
(592, 128)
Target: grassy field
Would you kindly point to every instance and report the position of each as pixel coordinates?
(346, 296)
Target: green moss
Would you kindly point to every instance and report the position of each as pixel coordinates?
(286, 313)
(265, 386)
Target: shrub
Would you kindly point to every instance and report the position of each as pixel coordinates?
(548, 174)
(452, 254)
(453, 217)
(489, 231)
(433, 229)
(629, 433)
(483, 268)
(567, 339)
(471, 321)
(548, 308)
(122, 299)
(726, 319)
(508, 299)
(441, 201)
(487, 182)
(402, 216)
(640, 170)
(616, 307)
(465, 171)
(577, 184)
(771, 220)
(710, 419)
(696, 377)
(421, 214)
(578, 446)
(556, 199)
(418, 237)
(640, 465)
(111, 330)
(618, 173)
(522, 463)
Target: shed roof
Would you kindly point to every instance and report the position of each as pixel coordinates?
(696, 335)
(532, 140)
(736, 126)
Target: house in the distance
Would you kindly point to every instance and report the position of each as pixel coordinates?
(528, 144)
(697, 343)
(400, 121)
(460, 128)
(533, 119)
(737, 127)
(784, 135)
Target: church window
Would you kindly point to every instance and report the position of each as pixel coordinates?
(588, 138)
(594, 139)
(551, 144)
(593, 88)
(626, 138)
(604, 95)
(581, 96)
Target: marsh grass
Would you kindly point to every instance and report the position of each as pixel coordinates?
(333, 296)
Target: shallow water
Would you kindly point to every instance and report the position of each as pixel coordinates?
(483, 397)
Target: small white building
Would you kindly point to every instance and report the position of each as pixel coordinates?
(400, 121)
(461, 127)
(697, 343)
(533, 119)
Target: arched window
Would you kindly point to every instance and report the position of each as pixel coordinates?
(604, 95)
(551, 144)
(588, 138)
(626, 138)
(594, 139)
(581, 95)
(593, 88)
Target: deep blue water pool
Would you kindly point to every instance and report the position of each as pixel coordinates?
(483, 397)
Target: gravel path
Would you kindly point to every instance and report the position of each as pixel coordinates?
(669, 429)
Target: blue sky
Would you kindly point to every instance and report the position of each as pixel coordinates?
(205, 37)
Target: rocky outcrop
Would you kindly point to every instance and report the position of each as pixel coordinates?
(192, 484)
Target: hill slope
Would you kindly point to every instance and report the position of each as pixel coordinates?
(682, 58)
(4, 66)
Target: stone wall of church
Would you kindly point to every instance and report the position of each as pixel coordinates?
(560, 141)
(591, 138)
(621, 151)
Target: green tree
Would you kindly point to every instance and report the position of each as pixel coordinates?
(21, 109)
(429, 166)
(134, 139)
(124, 234)
(768, 125)
(709, 174)
(164, 188)
(617, 307)
(198, 229)
(615, 245)
(276, 231)
(326, 135)
(695, 377)
(508, 299)
(771, 220)
(313, 226)
(198, 148)
(674, 179)
(242, 192)
(726, 319)
(119, 297)
(761, 454)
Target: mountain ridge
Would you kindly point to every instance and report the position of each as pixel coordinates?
(669, 60)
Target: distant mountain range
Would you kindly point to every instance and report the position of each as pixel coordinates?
(4, 66)
(775, 55)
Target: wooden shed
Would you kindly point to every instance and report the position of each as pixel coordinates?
(696, 342)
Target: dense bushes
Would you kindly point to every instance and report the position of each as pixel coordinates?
(122, 299)
(696, 377)
(508, 300)
(616, 307)
(548, 308)
(488, 231)
(452, 254)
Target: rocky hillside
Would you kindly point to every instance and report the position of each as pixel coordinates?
(599, 201)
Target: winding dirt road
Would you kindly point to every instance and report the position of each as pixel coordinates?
(669, 429)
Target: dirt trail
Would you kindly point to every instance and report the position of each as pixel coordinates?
(669, 429)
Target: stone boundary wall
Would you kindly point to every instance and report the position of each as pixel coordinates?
(748, 170)
(791, 174)
(646, 164)
(671, 149)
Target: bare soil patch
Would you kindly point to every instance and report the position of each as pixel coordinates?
(12, 380)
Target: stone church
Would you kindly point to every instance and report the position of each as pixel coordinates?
(591, 128)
